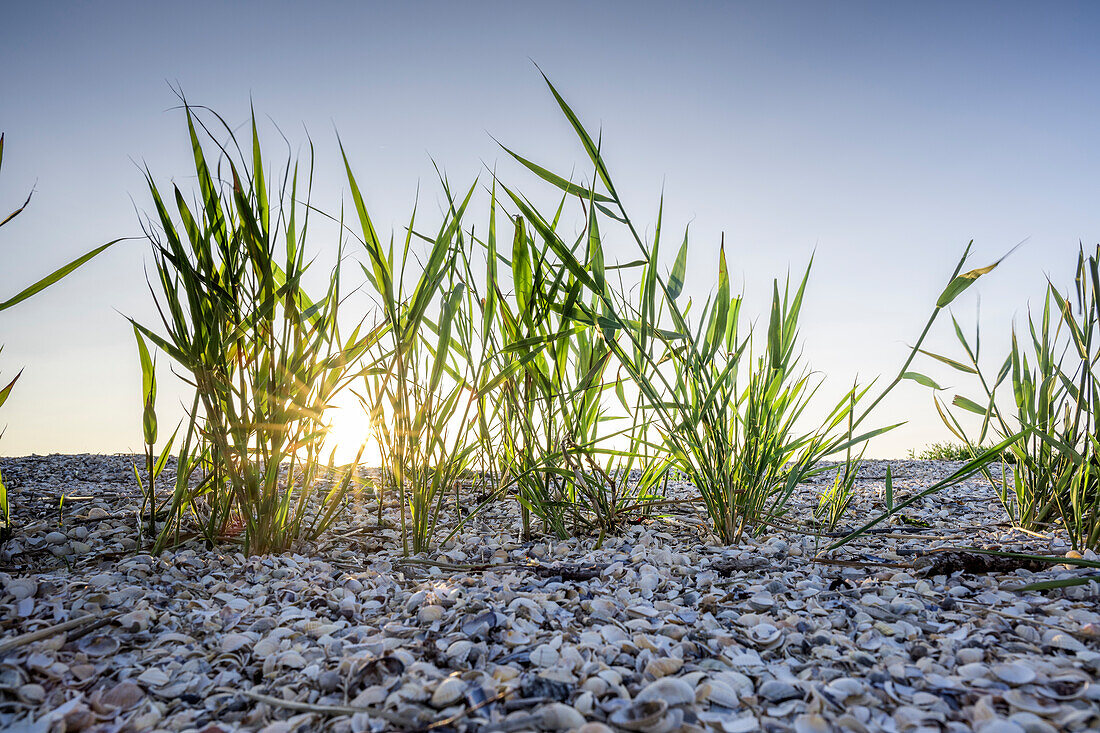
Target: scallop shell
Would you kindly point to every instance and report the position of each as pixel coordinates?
(233, 642)
(1028, 703)
(664, 666)
(100, 646)
(668, 690)
(1063, 687)
(123, 696)
(765, 636)
(640, 715)
(1013, 673)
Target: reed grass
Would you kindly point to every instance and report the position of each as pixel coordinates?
(555, 420)
(417, 392)
(264, 357)
(515, 360)
(946, 451)
(1050, 473)
(33, 289)
(726, 405)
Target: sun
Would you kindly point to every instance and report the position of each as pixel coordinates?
(350, 428)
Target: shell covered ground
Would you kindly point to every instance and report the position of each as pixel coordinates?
(660, 629)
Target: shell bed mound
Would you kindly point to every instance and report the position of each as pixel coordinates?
(661, 629)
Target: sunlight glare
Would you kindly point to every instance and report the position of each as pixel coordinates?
(349, 428)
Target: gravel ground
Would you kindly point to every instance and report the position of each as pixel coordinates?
(661, 629)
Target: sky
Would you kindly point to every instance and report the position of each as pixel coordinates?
(879, 138)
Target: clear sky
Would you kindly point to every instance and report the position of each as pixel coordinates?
(883, 136)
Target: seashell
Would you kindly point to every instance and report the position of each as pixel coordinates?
(1063, 687)
(778, 691)
(123, 696)
(11, 677)
(544, 655)
(742, 724)
(1032, 723)
(460, 650)
(719, 693)
(82, 672)
(643, 715)
(736, 681)
(375, 671)
(513, 637)
(998, 725)
(135, 621)
(973, 671)
(429, 614)
(596, 685)
(233, 642)
(153, 677)
(21, 588)
(669, 690)
(448, 692)
(594, 728)
(811, 723)
(664, 666)
(416, 600)
(843, 688)
(1028, 703)
(32, 693)
(762, 601)
(765, 636)
(1060, 640)
(481, 624)
(292, 660)
(559, 716)
(1013, 673)
(329, 681)
(266, 646)
(100, 646)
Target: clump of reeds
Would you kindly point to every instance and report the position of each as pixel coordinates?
(725, 401)
(574, 384)
(265, 358)
(416, 384)
(1051, 472)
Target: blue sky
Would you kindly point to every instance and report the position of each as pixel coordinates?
(882, 136)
